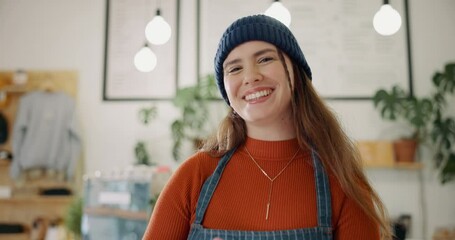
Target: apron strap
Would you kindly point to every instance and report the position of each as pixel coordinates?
(210, 185)
(324, 203)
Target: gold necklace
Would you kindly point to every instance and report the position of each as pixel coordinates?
(271, 179)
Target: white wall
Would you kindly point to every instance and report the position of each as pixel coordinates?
(64, 34)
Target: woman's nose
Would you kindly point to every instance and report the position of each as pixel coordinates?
(252, 74)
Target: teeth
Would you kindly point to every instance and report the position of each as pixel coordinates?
(257, 95)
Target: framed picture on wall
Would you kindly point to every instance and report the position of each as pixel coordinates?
(125, 36)
(348, 58)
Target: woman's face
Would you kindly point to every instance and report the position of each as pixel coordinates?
(257, 85)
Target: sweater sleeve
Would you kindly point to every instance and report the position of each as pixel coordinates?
(354, 223)
(174, 210)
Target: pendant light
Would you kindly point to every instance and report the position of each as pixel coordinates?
(145, 59)
(158, 31)
(387, 21)
(278, 11)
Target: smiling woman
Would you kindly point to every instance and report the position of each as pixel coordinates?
(279, 166)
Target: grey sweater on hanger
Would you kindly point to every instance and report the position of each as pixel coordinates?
(45, 133)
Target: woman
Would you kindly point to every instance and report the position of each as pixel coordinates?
(280, 166)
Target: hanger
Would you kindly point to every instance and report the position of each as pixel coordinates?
(48, 85)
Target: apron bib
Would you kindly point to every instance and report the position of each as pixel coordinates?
(322, 232)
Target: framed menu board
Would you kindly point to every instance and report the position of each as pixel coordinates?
(125, 36)
(349, 60)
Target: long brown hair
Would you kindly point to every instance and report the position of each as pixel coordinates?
(317, 128)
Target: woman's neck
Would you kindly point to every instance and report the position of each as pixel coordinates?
(271, 132)
(272, 150)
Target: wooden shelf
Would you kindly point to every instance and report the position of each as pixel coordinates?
(25, 210)
(4, 163)
(14, 236)
(31, 186)
(37, 200)
(14, 89)
(110, 212)
(398, 166)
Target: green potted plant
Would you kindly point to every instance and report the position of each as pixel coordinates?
(73, 219)
(193, 102)
(146, 116)
(428, 117)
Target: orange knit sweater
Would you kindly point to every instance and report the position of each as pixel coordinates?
(239, 202)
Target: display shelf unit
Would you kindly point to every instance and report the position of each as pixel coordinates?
(26, 209)
(24, 205)
(21, 201)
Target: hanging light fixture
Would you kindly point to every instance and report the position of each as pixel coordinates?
(145, 59)
(278, 11)
(387, 21)
(158, 31)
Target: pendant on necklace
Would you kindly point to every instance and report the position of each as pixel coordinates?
(269, 200)
(270, 179)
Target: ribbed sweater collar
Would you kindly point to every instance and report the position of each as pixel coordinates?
(272, 150)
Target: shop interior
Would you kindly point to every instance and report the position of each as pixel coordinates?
(133, 108)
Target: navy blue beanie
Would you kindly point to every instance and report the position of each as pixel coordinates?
(259, 28)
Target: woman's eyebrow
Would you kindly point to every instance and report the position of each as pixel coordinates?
(256, 54)
(233, 61)
(266, 50)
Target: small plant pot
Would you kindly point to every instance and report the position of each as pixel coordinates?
(405, 150)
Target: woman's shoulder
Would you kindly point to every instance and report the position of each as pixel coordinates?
(188, 179)
(200, 163)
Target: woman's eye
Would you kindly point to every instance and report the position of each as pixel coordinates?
(233, 70)
(265, 59)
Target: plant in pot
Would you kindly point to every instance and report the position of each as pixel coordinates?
(193, 103)
(73, 218)
(146, 116)
(428, 116)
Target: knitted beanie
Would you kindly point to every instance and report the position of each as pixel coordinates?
(259, 28)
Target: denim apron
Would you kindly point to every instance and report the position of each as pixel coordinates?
(322, 232)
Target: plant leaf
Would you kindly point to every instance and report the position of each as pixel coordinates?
(147, 114)
(448, 171)
(389, 103)
(418, 112)
(445, 82)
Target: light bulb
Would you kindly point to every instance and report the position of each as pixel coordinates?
(278, 11)
(145, 59)
(387, 21)
(158, 31)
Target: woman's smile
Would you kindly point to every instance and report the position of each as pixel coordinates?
(256, 95)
